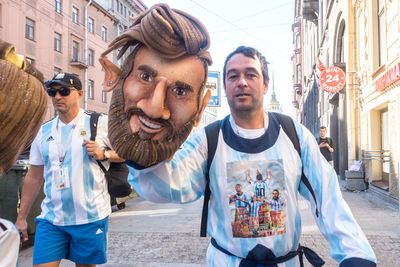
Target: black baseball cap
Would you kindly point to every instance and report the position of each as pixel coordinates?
(65, 79)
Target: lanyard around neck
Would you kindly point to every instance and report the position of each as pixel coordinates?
(62, 150)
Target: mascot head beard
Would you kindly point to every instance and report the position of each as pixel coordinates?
(170, 34)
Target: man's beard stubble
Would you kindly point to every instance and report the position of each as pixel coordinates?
(138, 147)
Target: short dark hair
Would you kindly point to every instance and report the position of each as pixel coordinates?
(322, 127)
(249, 52)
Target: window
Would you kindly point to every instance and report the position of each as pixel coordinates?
(298, 43)
(104, 33)
(29, 29)
(298, 73)
(90, 57)
(57, 6)
(381, 31)
(125, 11)
(75, 15)
(121, 8)
(90, 89)
(57, 42)
(117, 4)
(56, 71)
(91, 25)
(75, 51)
(103, 95)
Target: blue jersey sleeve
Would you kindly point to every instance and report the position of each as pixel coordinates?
(180, 180)
(335, 220)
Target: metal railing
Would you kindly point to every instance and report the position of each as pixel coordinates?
(379, 155)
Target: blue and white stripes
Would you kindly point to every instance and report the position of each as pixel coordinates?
(87, 200)
(182, 180)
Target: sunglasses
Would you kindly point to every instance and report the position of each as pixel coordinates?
(63, 91)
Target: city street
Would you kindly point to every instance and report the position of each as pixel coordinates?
(148, 234)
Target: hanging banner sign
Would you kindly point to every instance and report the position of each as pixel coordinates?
(390, 77)
(332, 79)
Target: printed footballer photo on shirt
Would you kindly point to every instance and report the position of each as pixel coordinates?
(257, 198)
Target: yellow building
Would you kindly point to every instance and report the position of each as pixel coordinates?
(376, 89)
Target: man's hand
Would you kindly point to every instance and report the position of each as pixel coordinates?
(22, 227)
(323, 144)
(93, 149)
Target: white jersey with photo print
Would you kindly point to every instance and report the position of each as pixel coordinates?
(85, 199)
(182, 180)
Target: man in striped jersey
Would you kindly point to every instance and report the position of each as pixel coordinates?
(259, 184)
(241, 201)
(276, 205)
(73, 223)
(249, 136)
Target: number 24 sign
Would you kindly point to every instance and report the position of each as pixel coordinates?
(332, 79)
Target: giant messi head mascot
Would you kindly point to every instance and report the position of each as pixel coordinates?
(158, 93)
(23, 102)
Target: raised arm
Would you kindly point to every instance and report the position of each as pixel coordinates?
(335, 221)
(179, 180)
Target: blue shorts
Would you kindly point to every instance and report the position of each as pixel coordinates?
(83, 244)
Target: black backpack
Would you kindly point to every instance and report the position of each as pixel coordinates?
(117, 174)
(212, 131)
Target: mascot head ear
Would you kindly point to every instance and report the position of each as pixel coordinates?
(112, 76)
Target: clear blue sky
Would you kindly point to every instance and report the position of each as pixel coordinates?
(262, 24)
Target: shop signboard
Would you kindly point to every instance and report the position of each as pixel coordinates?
(213, 84)
(332, 79)
(390, 77)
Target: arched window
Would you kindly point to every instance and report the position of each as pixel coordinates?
(340, 44)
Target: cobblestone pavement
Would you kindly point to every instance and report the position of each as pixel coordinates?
(187, 249)
(167, 235)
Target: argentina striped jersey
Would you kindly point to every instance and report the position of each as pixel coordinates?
(181, 180)
(86, 199)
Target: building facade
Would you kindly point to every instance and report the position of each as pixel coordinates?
(363, 39)
(377, 75)
(320, 27)
(124, 11)
(52, 35)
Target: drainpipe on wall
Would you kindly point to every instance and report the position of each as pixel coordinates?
(85, 91)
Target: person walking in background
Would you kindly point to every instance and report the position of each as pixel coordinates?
(325, 145)
(73, 223)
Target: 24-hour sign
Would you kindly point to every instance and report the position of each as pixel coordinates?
(332, 79)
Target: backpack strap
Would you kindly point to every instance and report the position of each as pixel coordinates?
(94, 118)
(288, 126)
(212, 131)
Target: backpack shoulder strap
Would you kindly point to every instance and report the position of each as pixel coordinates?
(94, 118)
(212, 131)
(288, 126)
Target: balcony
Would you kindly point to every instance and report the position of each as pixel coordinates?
(295, 103)
(297, 87)
(310, 9)
(78, 63)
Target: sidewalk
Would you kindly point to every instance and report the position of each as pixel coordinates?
(155, 235)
